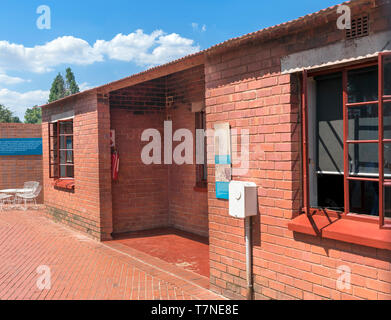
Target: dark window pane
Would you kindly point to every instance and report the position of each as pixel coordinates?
(387, 120)
(331, 191)
(387, 75)
(62, 157)
(66, 171)
(62, 142)
(66, 127)
(69, 142)
(70, 156)
(66, 142)
(66, 157)
(70, 171)
(387, 160)
(363, 159)
(364, 197)
(63, 171)
(363, 85)
(329, 123)
(363, 122)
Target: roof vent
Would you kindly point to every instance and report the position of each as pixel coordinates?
(359, 28)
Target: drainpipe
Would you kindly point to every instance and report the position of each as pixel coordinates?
(243, 205)
(249, 274)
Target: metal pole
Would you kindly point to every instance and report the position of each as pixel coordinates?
(249, 276)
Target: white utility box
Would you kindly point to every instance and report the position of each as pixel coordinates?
(242, 199)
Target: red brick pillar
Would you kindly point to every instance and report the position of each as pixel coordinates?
(105, 198)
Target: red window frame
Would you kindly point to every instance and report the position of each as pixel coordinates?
(55, 164)
(201, 169)
(384, 223)
(53, 161)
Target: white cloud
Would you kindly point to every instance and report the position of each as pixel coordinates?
(128, 47)
(146, 49)
(5, 79)
(43, 58)
(196, 27)
(138, 47)
(18, 102)
(170, 47)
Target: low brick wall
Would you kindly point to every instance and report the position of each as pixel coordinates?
(15, 170)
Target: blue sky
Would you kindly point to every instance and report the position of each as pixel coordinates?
(104, 41)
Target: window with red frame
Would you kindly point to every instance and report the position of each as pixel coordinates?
(61, 160)
(347, 141)
(201, 171)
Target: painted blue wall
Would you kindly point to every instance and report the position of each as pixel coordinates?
(20, 147)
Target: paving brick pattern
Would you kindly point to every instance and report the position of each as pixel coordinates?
(81, 268)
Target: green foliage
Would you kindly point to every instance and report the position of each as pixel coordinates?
(62, 88)
(33, 115)
(57, 90)
(71, 86)
(6, 115)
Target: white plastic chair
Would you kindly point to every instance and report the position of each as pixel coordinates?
(29, 196)
(3, 199)
(32, 185)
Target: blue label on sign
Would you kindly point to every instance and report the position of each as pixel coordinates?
(223, 159)
(21, 147)
(222, 190)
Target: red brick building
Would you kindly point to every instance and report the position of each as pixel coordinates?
(315, 100)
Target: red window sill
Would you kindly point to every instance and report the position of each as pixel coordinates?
(66, 184)
(357, 232)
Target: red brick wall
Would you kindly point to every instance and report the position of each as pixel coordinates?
(245, 88)
(85, 208)
(140, 196)
(15, 170)
(188, 207)
(104, 162)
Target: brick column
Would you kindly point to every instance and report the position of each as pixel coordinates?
(105, 198)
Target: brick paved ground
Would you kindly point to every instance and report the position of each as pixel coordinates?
(81, 268)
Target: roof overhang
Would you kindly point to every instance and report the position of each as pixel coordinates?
(182, 64)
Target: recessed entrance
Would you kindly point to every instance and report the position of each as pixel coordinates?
(161, 209)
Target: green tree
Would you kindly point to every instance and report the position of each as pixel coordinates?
(33, 115)
(57, 91)
(71, 86)
(6, 115)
